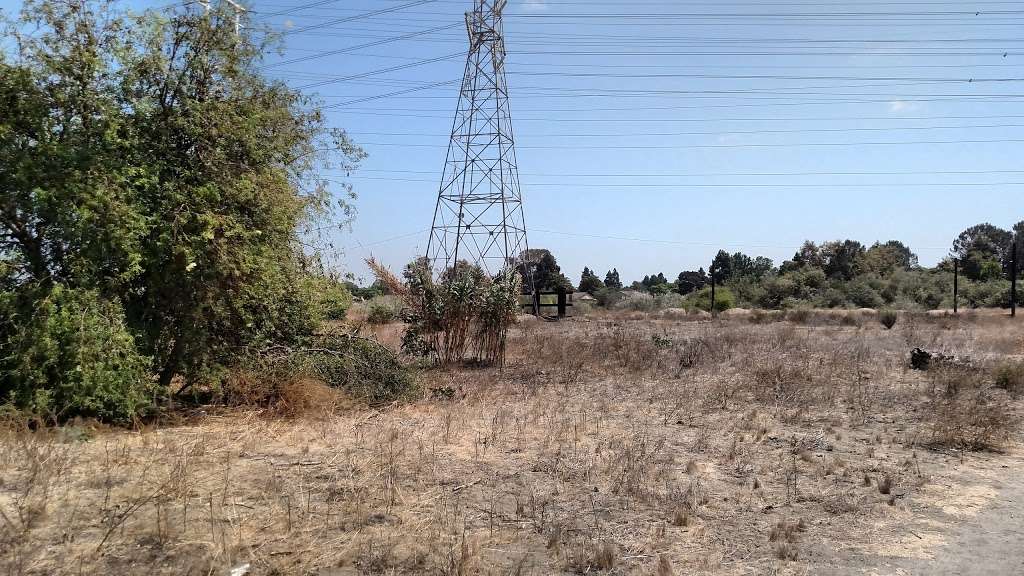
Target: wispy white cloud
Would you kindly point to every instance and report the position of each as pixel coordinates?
(535, 5)
(898, 106)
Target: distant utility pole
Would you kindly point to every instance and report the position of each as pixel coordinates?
(712, 289)
(1013, 276)
(956, 285)
(479, 213)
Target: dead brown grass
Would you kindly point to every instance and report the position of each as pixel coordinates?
(605, 446)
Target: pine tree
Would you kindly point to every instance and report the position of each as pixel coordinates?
(612, 280)
(589, 282)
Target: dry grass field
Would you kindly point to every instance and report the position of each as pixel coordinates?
(628, 444)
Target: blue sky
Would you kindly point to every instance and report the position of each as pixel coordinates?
(652, 133)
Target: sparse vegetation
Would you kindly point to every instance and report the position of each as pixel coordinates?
(772, 431)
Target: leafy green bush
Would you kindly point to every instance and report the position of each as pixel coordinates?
(464, 307)
(888, 318)
(636, 302)
(331, 297)
(381, 313)
(365, 369)
(69, 354)
(701, 299)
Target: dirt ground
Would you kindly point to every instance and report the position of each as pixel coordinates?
(631, 444)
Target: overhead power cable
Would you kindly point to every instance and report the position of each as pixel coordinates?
(708, 132)
(677, 185)
(747, 145)
(381, 71)
(360, 46)
(728, 174)
(694, 243)
(356, 17)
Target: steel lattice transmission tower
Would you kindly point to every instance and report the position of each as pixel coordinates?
(479, 215)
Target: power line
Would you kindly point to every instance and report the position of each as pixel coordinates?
(691, 242)
(732, 174)
(380, 71)
(359, 47)
(677, 185)
(747, 145)
(356, 17)
(711, 133)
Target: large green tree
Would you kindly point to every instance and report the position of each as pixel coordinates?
(145, 159)
(540, 266)
(589, 282)
(887, 258)
(983, 251)
(612, 279)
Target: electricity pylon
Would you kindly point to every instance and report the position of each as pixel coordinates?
(479, 215)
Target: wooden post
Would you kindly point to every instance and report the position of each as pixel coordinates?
(536, 302)
(956, 285)
(1013, 278)
(712, 289)
(561, 302)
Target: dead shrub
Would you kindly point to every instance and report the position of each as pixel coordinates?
(664, 567)
(692, 352)
(786, 531)
(307, 397)
(885, 484)
(584, 556)
(949, 378)
(783, 384)
(786, 552)
(766, 316)
(799, 315)
(606, 556)
(970, 419)
(681, 518)
(1010, 377)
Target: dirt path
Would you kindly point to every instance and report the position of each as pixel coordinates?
(992, 541)
(983, 531)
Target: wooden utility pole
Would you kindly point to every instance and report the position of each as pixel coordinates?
(1013, 277)
(956, 285)
(712, 289)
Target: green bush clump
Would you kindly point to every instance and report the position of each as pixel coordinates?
(365, 369)
(464, 308)
(331, 297)
(888, 318)
(701, 299)
(70, 354)
(381, 314)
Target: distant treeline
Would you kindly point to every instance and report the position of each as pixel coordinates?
(835, 274)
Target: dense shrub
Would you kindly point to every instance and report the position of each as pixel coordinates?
(463, 308)
(332, 298)
(364, 369)
(888, 318)
(701, 299)
(636, 302)
(1010, 377)
(381, 313)
(69, 354)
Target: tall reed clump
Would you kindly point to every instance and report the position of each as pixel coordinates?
(499, 304)
(463, 309)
